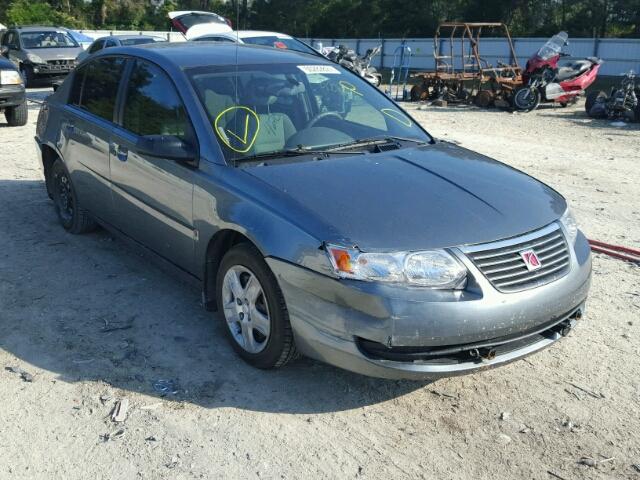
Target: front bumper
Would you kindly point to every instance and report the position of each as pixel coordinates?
(349, 323)
(11, 96)
(52, 70)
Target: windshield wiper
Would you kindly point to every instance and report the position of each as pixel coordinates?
(366, 142)
(294, 152)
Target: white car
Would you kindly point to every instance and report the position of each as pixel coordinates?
(209, 27)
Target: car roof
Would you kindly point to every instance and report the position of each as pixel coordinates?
(129, 37)
(39, 28)
(197, 54)
(260, 33)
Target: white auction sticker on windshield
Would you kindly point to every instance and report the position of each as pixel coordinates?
(323, 69)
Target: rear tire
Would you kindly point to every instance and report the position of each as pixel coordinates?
(17, 116)
(267, 343)
(72, 216)
(526, 99)
(591, 100)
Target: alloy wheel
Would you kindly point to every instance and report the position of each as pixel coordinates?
(245, 309)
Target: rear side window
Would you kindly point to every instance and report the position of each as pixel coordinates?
(96, 46)
(152, 105)
(95, 86)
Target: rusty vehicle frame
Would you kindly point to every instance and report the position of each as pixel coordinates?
(463, 75)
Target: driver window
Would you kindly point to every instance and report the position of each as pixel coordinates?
(152, 105)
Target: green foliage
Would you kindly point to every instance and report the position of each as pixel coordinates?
(343, 18)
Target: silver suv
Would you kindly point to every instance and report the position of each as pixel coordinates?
(46, 53)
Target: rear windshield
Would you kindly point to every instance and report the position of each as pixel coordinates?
(137, 41)
(266, 109)
(276, 42)
(58, 39)
(196, 18)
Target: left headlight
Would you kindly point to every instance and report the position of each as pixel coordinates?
(570, 225)
(432, 268)
(10, 77)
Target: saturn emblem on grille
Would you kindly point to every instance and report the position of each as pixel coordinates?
(531, 260)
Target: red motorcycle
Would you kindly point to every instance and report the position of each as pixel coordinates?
(546, 80)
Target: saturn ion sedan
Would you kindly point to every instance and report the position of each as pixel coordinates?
(317, 216)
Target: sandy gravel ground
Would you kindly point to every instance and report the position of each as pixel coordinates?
(93, 323)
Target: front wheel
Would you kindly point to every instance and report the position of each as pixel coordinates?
(253, 308)
(17, 116)
(27, 75)
(526, 99)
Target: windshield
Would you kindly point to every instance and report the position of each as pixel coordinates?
(262, 109)
(554, 46)
(277, 42)
(59, 39)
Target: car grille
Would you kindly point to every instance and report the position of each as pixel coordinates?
(504, 267)
(61, 62)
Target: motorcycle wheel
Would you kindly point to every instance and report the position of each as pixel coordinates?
(526, 99)
(591, 100)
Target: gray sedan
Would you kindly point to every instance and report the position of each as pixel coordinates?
(117, 41)
(315, 214)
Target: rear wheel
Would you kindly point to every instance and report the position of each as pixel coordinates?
(253, 308)
(17, 116)
(526, 99)
(70, 213)
(484, 99)
(591, 99)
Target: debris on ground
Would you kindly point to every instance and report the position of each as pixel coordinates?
(112, 435)
(505, 416)
(119, 413)
(24, 375)
(166, 387)
(114, 326)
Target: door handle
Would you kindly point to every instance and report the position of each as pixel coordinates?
(70, 128)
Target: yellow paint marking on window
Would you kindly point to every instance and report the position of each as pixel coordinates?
(397, 116)
(349, 87)
(246, 139)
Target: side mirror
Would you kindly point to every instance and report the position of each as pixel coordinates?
(4, 50)
(167, 146)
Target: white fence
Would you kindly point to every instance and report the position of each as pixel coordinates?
(619, 55)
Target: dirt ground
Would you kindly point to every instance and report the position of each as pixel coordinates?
(93, 323)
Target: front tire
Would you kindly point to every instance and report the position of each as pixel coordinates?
(72, 216)
(253, 308)
(17, 116)
(526, 99)
(27, 75)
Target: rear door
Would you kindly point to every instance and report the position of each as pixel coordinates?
(153, 196)
(86, 127)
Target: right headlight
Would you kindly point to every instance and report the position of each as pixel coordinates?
(430, 268)
(33, 58)
(570, 225)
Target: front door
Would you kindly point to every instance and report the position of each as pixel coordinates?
(153, 196)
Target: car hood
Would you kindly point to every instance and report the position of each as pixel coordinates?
(64, 53)
(429, 197)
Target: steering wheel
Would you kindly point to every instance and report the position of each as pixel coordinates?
(321, 116)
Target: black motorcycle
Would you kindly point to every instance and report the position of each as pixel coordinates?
(348, 58)
(622, 102)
